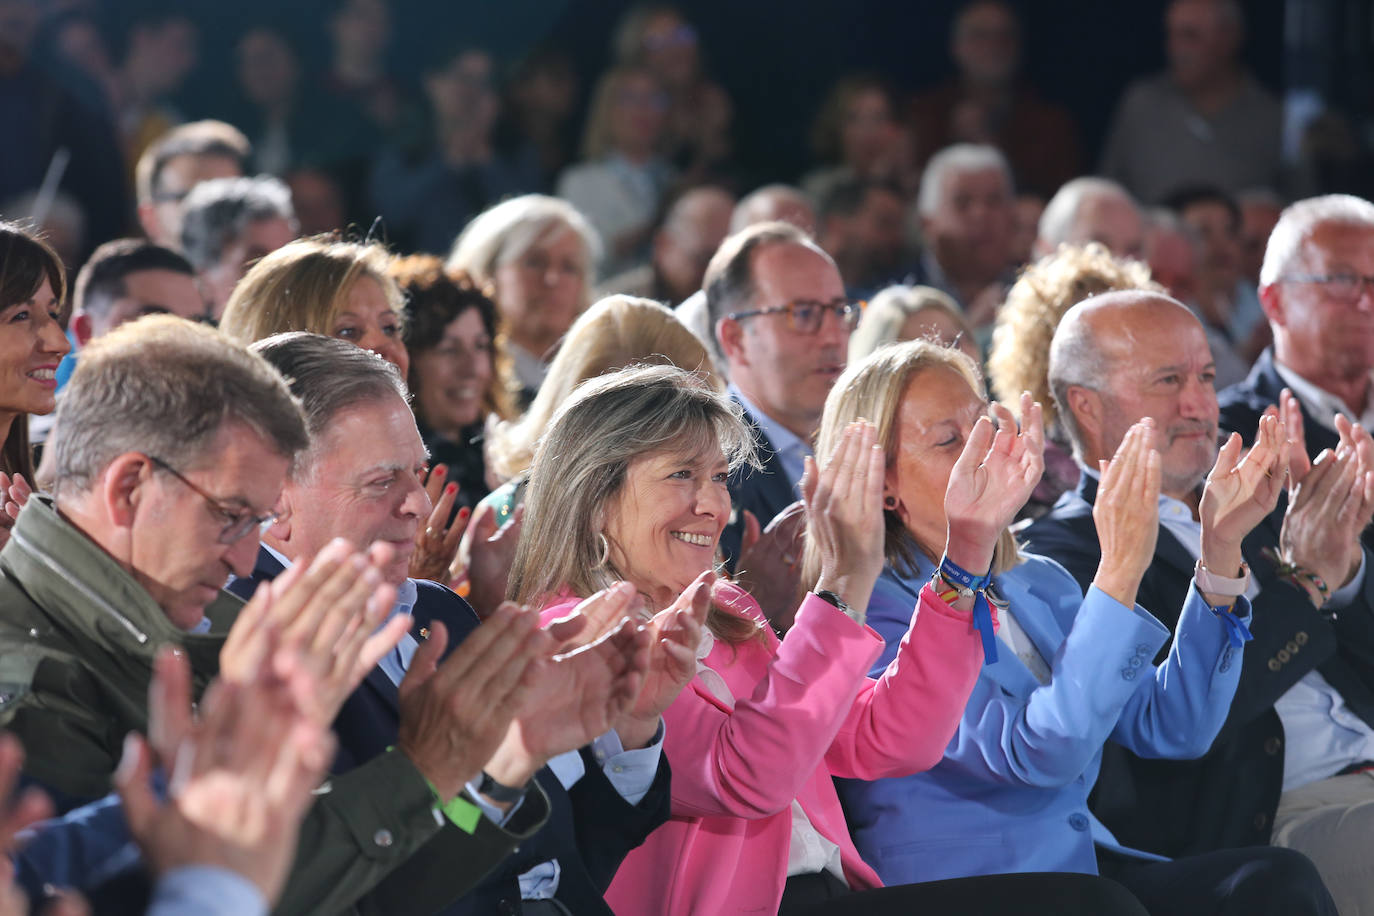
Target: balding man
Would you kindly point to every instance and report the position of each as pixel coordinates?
(1092, 210)
(696, 224)
(1304, 709)
(175, 163)
(1204, 120)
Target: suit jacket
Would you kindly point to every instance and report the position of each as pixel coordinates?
(764, 491)
(1244, 403)
(1011, 793)
(802, 713)
(1228, 797)
(590, 827)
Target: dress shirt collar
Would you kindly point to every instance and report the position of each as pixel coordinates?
(1321, 405)
(789, 447)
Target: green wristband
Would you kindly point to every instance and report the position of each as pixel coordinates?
(460, 812)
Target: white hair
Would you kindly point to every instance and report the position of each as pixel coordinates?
(1076, 361)
(957, 159)
(1297, 223)
(506, 231)
(1061, 213)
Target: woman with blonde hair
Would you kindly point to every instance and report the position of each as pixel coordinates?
(1065, 671)
(912, 313)
(1019, 359)
(538, 255)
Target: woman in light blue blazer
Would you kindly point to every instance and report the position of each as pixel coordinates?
(1065, 672)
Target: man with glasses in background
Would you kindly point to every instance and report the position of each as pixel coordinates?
(782, 320)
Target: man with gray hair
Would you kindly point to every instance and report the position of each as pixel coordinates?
(1092, 210)
(968, 219)
(682, 245)
(227, 224)
(1304, 709)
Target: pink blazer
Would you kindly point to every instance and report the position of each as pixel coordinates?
(804, 711)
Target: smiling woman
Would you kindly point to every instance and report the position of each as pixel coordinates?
(33, 340)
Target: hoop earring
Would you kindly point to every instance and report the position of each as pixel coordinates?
(605, 550)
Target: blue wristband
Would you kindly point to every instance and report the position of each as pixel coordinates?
(982, 622)
(957, 575)
(1237, 633)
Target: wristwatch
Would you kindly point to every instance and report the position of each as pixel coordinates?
(1214, 584)
(499, 793)
(833, 598)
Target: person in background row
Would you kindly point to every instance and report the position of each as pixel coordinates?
(912, 313)
(539, 255)
(360, 32)
(1092, 210)
(696, 224)
(227, 225)
(622, 179)
(860, 225)
(856, 135)
(175, 163)
(1020, 356)
(1259, 213)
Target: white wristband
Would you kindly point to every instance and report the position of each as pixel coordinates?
(1214, 584)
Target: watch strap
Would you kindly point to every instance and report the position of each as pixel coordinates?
(1231, 587)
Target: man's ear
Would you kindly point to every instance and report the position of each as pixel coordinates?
(730, 336)
(1271, 301)
(122, 487)
(281, 528)
(1087, 409)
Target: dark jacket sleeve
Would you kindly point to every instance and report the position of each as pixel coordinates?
(607, 825)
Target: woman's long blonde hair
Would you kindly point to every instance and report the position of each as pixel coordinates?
(615, 332)
(874, 388)
(581, 465)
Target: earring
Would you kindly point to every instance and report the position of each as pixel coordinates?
(605, 550)
(890, 502)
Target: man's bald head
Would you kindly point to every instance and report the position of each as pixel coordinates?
(1125, 355)
(692, 231)
(1092, 209)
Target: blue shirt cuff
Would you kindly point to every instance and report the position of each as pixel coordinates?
(631, 773)
(208, 891)
(1351, 590)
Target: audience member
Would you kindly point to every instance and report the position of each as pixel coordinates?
(358, 76)
(455, 370)
(967, 220)
(1298, 717)
(539, 255)
(912, 313)
(430, 188)
(1019, 359)
(1092, 210)
(159, 50)
(765, 724)
(1028, 210)
(856, 135)
(319, 199)
(1204, 120)
(987, 102)
(537, 108)
(1259, 213)
(1028, 747)
(228, 224)
(623, 177)
(693, 229)
(860, 225)
(62, 224)
(360, 479)
(175, 163)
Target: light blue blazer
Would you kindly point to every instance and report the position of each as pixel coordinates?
(1011, 793)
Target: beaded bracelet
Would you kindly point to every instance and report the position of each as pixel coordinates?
(1294, 574)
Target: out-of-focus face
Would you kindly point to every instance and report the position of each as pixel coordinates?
(267, 68)
(639, 110)
(1173, 263)
(148, 292)
(1221, 248)
(368, 320)
(1199, 41)
(786, 373)
(19, 21)
(1029, 208)
(175, 549)
(670, 50)
(169, 52)
(868, 131)
(1318, 334)
(1161, 367)
(973, 224)
(260, 238)
(462, 92)
(178, 176)
(363, 485)
(362, 28)
(987, 44)
(937, 412)
(879, 229)
(1257, 220)
(683, 249)
(541, 290)
(32, 343)
(1112, 220)
(317, 200)
(938, 326)
(80, 42)
(452, 377)
(664, 524)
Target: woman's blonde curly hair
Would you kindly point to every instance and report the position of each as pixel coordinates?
(1020, 356)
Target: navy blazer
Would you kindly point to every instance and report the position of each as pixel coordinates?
(764, 491)
(1228, 797)
(590, 827)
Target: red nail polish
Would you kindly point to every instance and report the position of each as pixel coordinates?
(451, 489)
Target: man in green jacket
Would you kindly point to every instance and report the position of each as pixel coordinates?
(174, 448)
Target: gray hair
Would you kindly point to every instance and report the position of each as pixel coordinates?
(328, 376)
(888, 311)
(1076, 361)
(729, 279)
(166, 387)
(1297, 223)
(957, 159)
(1061, 213)
(765, 204)
(583, 458)
(506, 231)
(217, 212)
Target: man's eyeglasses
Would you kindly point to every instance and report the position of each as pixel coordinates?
(238, 523)
(804, 315)
(1343, 287)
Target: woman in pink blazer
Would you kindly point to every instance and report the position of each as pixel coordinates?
(629, 484)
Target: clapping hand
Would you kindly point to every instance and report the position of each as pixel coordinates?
(14, 493)
(844, 516)
(1240, 493)
(1329, 509)
(768, 567)
(991, 481)
(484, 558)
(32, 805)
(436, 543)
(1126, 513)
